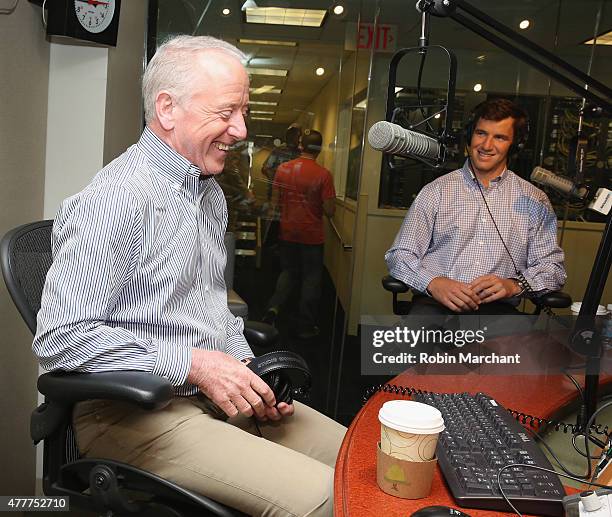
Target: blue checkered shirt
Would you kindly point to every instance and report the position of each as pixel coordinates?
(137, 274)
(449, 232)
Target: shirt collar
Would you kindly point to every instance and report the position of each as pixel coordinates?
(171, 165)
(469, 176)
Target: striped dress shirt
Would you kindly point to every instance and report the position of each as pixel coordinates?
(449, 232)
(137, 274)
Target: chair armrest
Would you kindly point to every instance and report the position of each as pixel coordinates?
(260, 335)
(555, 299)
(141, 388)
(394, 285)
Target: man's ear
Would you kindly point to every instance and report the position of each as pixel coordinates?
(165, 110)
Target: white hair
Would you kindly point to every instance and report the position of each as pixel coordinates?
(171, 68)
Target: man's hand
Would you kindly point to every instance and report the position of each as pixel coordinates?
(490, 288)
(457, 296)
(233, 387)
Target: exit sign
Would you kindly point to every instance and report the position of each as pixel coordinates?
(382, 38)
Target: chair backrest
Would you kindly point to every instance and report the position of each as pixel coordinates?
(25, 257)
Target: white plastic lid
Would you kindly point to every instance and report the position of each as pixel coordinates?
(408, 416)
(601, 310)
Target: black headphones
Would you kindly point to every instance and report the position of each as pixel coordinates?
(518, 141)
(285, 372)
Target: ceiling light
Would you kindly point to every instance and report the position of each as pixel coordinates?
(246, 41)
(338, 9)
(602, 39)
(249, 4)
(477, 87)
(398, 89)
(285, 16)
(262, 118)
(266, 71)
(226, 11)
(437, 115)
(481, 58)
(524, 24)
(265, 89)
(320, 71)
(254, 112)
(263, 103)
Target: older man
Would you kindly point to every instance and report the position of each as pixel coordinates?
(137, 284)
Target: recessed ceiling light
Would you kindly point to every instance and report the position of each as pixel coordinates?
(266, 71)
(255, 112)
(226, 11)
(263, 103)
(286, 16)
(267, 42)
(320, 71)
(477, 87)
(262, 118)
(524, 24)
(603, 39)
(338, 9)
(264, 90)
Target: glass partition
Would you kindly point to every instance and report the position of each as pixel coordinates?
(332, 77)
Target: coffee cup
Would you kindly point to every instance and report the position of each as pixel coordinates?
(409, 430)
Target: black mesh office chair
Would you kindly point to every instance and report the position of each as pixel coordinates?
(553, 299)
(98, 485)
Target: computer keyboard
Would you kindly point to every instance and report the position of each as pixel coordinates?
(480, 438)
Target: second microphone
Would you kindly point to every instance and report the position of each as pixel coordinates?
(393, 139)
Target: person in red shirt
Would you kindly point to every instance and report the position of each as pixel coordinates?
(304, 191)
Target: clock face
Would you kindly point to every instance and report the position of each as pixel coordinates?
(94, 15)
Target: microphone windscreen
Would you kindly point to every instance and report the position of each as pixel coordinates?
(381, 136)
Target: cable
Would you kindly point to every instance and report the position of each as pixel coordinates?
(588, 426)
(523, 418)
(44, 19)
(419, 99)
(552, 453)
(578, 387)
(596, 441)
(531, 294)
(536, 468)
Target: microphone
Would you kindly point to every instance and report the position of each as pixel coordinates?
(560, 184)
(393, 139)
(599, 201)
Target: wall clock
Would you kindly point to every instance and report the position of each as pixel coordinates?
(88, 20)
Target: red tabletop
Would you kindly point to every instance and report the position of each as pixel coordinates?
(355, 489)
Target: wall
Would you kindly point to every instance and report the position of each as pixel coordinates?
(24, 62)
(124, 114)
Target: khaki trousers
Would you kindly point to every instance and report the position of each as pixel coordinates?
(288, 472)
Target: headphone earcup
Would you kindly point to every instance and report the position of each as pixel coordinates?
(281, 386)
